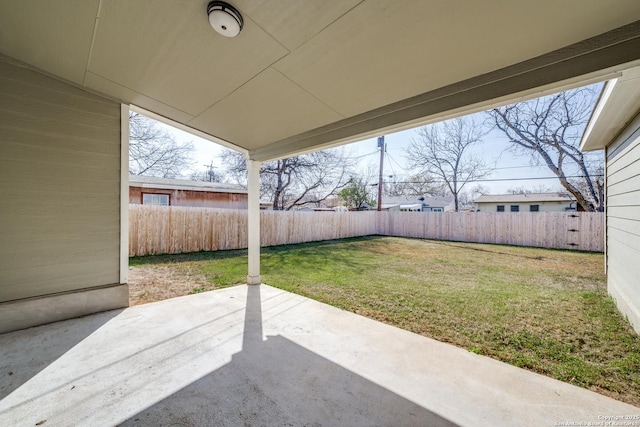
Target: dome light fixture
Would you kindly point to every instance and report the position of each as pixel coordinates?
(224, 18)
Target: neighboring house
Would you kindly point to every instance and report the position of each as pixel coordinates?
(147, 190)
(328, 205)
(615, 127)
(418, 204)
(539, 202)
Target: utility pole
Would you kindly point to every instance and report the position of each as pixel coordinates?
(381, 146)
(210, 173)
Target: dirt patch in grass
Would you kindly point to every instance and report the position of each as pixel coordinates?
(547, 311)
(149, 283)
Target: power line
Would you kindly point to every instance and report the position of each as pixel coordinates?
(535, 166)
(391, 165)
(514, 167)
(396, 162)
(365, 155)
(487, 180)
(494, 168)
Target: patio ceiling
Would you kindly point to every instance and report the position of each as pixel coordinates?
(305, 74)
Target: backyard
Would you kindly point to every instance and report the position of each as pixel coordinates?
(543, 310)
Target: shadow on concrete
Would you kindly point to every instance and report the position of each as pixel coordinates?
(47, 343)
(276, 382)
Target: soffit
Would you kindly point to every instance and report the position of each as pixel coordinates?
(618, 105)
(299, 67)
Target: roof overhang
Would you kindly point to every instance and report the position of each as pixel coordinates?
(308, 75)
(619, 103)
(187, 187)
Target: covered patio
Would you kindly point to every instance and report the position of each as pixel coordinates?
(304, 76)
(260, 356)
(299, 77)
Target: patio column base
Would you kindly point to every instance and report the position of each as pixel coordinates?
(253, 280)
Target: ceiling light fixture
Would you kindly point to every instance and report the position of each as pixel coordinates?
(224, 18)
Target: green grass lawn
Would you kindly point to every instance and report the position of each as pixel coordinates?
(543, 310)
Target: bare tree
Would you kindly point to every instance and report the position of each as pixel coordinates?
(416, 185)
(537, 189)
(549, 129)
(467, 197)
(442, 151)
(153, 151)
(305, 179)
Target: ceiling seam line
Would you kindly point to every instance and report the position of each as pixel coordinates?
(243, 84)
(309, 93)
(329, 24)
(93, 40)
(256, 74)
(268, 33)
(135, 91)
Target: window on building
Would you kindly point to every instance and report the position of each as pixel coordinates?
(155, 199)
(534, 208)
(515, 208)
(500, 208)
(436, 210)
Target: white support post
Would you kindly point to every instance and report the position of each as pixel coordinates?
(124, 193)
(253, 222)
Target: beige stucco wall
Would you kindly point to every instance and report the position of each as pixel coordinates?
(59, 187)
(623, 222)
(524, 207)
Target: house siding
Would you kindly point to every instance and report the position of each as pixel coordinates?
(200, 199)
(60, 191)
(623, 221)
(524, 207)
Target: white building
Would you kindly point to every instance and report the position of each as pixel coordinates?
(418, 204)
(540, 202)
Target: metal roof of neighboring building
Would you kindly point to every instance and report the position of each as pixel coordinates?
(524, 198)
(183, 184)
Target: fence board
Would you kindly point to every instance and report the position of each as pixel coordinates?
(174, 229)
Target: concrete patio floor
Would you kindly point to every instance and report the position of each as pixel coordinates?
(285, 360)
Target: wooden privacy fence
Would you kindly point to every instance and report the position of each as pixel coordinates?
(557, 230)
(160, 229)
(174, 229)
